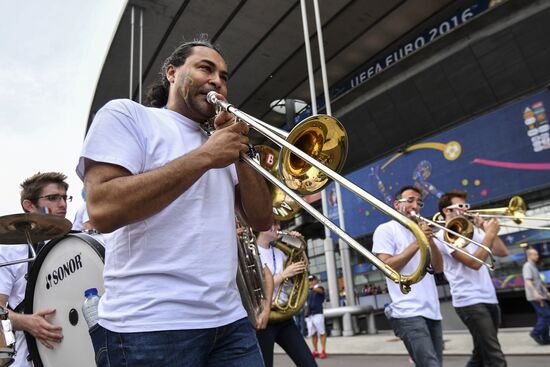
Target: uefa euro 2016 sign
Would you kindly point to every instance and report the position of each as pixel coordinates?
(361, 76)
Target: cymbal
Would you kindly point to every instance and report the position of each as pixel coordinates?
(41, 227)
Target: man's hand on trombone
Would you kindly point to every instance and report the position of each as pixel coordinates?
(228, 141)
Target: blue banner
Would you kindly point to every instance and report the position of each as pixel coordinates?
(494, 156)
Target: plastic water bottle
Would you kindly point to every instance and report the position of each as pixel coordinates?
(89, 308)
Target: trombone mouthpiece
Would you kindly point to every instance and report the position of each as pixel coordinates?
(211, 97)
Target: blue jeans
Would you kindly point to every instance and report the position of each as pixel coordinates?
(300, 321)
(423, 339)
(482, 320)
(232, 345)
(543, 320)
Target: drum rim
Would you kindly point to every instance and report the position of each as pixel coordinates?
(32, 276)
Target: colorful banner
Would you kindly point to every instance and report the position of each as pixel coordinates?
(492, 157)
(516, 280)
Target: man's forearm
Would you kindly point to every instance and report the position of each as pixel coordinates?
(255, 198)
(397, 262)
(116, 198)
(17, 320)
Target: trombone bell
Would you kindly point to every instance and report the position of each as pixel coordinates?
(321, 137)
(459, 225)
(284, 207)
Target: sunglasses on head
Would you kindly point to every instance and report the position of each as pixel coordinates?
(464, 206)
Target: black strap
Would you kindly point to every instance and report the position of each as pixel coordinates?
(20, 308)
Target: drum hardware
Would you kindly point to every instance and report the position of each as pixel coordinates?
(7, 340)
(310, 156)
(31, 228)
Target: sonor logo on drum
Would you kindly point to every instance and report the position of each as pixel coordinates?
(63, 271)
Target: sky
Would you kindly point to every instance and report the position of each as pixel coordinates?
(51, 55)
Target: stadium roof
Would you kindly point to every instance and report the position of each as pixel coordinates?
(465, 64)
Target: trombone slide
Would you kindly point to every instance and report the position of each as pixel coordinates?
(404, 281)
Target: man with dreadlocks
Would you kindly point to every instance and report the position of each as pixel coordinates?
(168, 193)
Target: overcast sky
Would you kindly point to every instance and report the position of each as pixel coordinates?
(51, 55)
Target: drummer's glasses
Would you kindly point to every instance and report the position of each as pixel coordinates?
(463, 206)
(411, 200)
(57, 198)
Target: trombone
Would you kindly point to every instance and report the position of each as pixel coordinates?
(283, 208)
(323, 137)
(459, 232)
(515, 211)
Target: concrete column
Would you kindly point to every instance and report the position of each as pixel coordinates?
(332, 282)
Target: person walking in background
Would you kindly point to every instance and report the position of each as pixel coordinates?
(537, 294)
(315, 319)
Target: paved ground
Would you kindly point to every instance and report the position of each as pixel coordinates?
(281, 360)
(514, 341)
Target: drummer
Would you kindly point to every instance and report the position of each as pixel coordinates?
(41, 193)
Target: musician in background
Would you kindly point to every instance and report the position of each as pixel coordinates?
(474, 295)
(537, 294)
(168, 193)
(261, 318)
(285, 333)
(415, 317)
(41, 193)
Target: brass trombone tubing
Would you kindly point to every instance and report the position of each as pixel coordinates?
(473, 214)
(491, 266)
(404, 281)
(521, 226)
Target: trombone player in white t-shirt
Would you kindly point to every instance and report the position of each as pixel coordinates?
(415, 317)
(472, 290)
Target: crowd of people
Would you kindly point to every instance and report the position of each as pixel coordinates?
(167, 193)
(370, 289)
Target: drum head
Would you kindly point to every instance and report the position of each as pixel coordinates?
(63, 270)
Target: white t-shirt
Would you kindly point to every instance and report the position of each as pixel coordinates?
(13, 284)
(80, 218)
(177, 268)
(468, 286)
(423, 300)
(274, 259)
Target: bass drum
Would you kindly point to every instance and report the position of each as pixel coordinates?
(62, 271)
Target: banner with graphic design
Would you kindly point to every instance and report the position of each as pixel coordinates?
(494, 156)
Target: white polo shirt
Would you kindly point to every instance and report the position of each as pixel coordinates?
(423, 300)
(468, 286)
